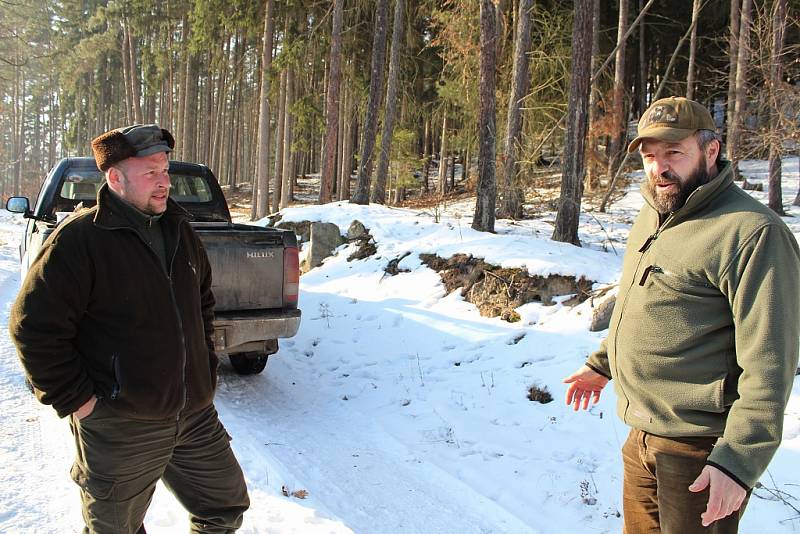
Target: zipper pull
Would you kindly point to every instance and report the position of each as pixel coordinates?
(648, 241)
(645, 274)
(649, 269)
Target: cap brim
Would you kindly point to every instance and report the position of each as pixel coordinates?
(149, 151)
(662, 133)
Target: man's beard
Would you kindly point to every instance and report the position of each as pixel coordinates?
(668, 202)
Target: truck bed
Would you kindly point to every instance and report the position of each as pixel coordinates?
(247, 265)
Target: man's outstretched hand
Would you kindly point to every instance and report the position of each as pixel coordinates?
(585, 384)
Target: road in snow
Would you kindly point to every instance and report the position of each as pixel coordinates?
(396, 407)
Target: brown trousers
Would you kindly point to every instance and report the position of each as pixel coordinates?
(120, 460)
(657, 474)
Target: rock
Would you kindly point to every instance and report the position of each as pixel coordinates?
(603, 308)
(366, 246)
(301, 229)
(356, 231)
(752, 186)
(325, 237)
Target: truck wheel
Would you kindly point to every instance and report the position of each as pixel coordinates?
(248, 363)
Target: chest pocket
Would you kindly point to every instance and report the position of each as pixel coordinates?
(676, 286)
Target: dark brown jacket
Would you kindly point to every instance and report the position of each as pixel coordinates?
(98, 314)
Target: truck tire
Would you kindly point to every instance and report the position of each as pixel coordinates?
(248, 363)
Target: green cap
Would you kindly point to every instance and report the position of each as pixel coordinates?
(672, 119)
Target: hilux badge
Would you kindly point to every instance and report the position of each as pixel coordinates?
(261, 254)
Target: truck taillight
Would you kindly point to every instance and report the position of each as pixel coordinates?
(291, 275)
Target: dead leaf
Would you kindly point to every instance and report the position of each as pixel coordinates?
(298, 494)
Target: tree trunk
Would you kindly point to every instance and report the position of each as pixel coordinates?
(483, 220)
(619, 119)
(19, 132)
(189, 130)
(441, 182)
(279, 135)
(260, 198)
(692, 51)
(222, 97)
(100, 125)
(592, 178)
(348, 142)
(126, 75)
(379, 190)
(512, 194)
(642, 63)
(167, 91)
(370, 128)
(134, 77)
(288, 139)
(453, 173)
(739, 112)
(467, 158)
(181, 75)
(775, 96)
(204, 152)
(330, 144)
(340, 142)
(733, 57)
(569, 209)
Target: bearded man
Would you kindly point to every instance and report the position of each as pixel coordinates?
(703, 343)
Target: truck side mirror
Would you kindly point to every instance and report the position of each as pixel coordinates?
(18, 205)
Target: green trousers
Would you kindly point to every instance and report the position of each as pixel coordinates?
(657, 474)
(120, 460)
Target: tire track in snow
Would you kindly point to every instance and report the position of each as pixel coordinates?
(34, 479)
(352, 468)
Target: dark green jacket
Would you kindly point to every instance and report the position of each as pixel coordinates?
(704, 336)
(98, 314)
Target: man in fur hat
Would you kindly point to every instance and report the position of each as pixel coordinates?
(113, 325)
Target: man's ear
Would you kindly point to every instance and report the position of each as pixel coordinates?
(113, 176)
(712, 151)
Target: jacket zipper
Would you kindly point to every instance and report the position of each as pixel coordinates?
(644, 249)
(115, 388)
(184, 392)
(168, 275)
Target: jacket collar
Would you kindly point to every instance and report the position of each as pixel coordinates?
(700, 197)
(111, 213)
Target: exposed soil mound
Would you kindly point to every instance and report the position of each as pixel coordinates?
(497, 291)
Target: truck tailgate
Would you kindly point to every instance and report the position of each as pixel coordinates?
(246, 265)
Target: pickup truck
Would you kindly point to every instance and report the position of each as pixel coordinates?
(255, 270)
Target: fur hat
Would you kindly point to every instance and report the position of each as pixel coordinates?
(135, 141)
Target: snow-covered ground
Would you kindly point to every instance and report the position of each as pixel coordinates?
(397, 407)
